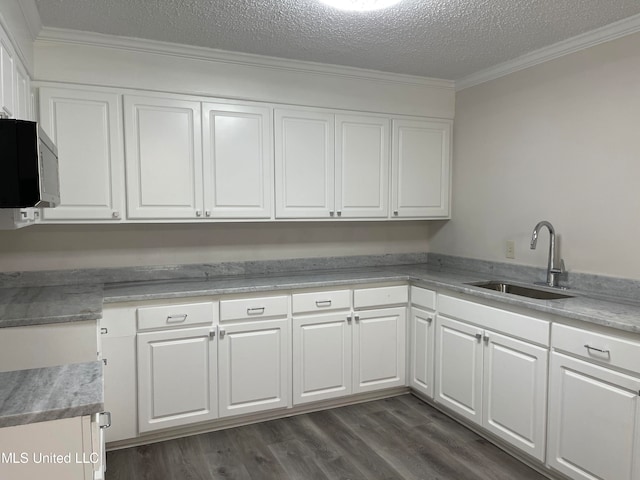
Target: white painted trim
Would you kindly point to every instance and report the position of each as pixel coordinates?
(32, 20)
(604, 34)
(31, 16)
(62, 36)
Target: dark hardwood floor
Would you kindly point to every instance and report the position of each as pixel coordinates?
(394, 438)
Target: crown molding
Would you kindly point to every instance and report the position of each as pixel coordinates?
(66, 36)
(583, 41)
(31, 17)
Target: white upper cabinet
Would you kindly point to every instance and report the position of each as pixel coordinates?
(23, 94)
(304, 148)
(7, 76)
(362, 166)
(238, 161)
(164, 158)
(420, 168)
(86, 126)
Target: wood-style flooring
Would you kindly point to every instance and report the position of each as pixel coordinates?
(395, 438)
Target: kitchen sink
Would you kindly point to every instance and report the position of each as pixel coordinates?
(530, 292)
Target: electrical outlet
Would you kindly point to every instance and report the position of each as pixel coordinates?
(511, 249)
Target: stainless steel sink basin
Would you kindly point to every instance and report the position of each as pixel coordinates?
(520, 290)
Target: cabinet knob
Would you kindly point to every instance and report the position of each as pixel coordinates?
(207, 213)
(349, 319)
(221, 334)
(339, 213)
(479, 337)
(331, 213)
(395, 213)
(356, 318)
(115, 214)
(198, 213)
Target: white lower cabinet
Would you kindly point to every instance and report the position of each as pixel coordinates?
(321, 357)
(65, 449)
(253, 366)
(379, 349)
(514, 392)
(346, 352)
(594, 421)
(494, 380)
(459, 364)
(422, 340)
(177, 381)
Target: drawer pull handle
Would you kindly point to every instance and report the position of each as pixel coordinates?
(176, 318)
(323, 303)
(601, 350)
(255, 311)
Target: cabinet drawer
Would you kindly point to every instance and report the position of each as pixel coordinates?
(118, 322)
(616, 351)
(380, 296)
(423, 298)
(244, 308)
(167, 316)
(321, 301)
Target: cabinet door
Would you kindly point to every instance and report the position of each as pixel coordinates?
(459, 364)
(515, 392)
(86, 127)
(164, 158)
(594, 421)
(238, 161)
(23, 94)
(304, 146)
(119, 354)
(379, 349)
(420, 168)
(254, 367)
(321, 357)
(422, 351)
(7, 76)
(176, 378)
(362, 166)
(25, 449)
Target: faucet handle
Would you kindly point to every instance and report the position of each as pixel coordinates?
(560, 270)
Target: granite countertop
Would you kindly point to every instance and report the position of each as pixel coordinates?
(22, 306)
(52, 393)
(619, 313)
(54, 304)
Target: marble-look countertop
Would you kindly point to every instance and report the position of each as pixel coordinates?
(39, 305)
(52, 393)
(619, 313)
(56, 304)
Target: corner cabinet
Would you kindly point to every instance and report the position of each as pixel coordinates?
(420, 166)
(86, 126)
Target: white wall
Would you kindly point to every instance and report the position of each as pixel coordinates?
(559, 141)
(51, 247)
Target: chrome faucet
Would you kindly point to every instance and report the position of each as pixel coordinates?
(553, 271)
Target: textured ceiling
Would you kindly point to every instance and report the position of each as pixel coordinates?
(435, 38)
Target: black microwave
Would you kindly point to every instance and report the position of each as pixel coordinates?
(28, 166)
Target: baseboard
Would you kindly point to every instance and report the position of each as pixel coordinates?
(240, 421)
